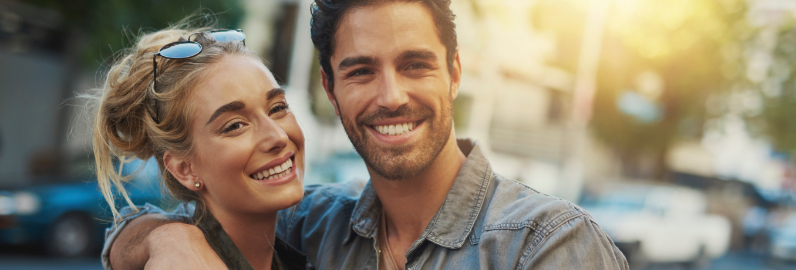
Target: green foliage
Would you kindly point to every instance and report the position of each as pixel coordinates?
(106, 25)
(777, 121)
(693, 46)
(696, 54)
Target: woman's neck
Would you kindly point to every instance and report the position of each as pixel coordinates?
(253, 234)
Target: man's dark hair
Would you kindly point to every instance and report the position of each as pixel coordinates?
(326, 15)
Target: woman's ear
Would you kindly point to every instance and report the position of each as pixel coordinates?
(181, 169)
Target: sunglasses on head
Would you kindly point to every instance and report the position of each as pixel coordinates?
(187, 49)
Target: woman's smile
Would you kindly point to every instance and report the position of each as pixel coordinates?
(276, 172)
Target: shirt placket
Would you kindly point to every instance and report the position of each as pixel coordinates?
(378, 250)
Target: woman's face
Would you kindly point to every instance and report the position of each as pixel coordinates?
(248, 149)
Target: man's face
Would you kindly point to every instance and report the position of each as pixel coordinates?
(392, 87)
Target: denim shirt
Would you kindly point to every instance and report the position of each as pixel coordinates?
(486, 222)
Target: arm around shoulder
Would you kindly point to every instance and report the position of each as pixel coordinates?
(573, 243)
(155, 239)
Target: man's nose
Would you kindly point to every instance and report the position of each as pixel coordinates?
(392, 93)
(270, 136)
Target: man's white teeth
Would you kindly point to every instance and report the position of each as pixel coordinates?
(398, 129)
(275, 172)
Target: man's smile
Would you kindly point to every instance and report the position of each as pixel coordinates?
(397, 132)
(395, 129)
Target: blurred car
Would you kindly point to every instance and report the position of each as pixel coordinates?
(783, 240)
(338, 167)
(68, 218)
(660, 224)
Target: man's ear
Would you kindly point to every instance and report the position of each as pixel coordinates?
(329, 95)
(181, 169)
(456, 76)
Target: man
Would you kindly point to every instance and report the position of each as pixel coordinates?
(391, 70)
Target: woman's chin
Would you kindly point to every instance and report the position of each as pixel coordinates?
(288, 196)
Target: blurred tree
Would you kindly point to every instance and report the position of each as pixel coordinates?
(777, 119)
(99, 26)
(660, 62)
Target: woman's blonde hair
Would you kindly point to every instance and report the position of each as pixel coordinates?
(124, 124)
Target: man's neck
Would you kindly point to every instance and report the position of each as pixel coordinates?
(253, 235)
(410, 204)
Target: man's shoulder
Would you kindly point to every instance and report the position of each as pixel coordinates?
(514, 205)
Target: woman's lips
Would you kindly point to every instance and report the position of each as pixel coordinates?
(275, 168)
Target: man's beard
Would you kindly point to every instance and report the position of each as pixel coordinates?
(401, 161)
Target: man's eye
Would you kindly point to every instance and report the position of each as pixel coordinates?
(359, 72)
(416, 66)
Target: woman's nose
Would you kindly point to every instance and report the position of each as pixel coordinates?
(270, 136)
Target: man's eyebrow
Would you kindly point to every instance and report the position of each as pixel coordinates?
(275, 92)
(232, 106)
(353, 61)
(418, 54)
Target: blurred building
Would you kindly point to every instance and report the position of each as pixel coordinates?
(510, 99)
(33, 80)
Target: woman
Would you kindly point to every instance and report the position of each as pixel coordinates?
(220, 129)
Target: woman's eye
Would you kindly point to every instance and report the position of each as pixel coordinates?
(232, 127)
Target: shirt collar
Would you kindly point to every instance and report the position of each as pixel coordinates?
(455, 218)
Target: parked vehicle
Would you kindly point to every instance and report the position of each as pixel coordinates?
(660, 224)
(783, 240)
(68, 217)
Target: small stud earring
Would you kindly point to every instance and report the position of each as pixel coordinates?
(197, 184)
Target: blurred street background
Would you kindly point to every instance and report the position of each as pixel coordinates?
(672, 122)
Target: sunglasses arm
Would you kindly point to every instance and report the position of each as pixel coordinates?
(154, 86)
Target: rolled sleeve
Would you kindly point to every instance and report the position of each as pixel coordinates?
(576, 243)
(183, 213)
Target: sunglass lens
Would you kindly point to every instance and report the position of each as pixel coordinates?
(181, 50)
(228, 36)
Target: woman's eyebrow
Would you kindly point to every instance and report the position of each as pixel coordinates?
(275, 92)
(232, 106)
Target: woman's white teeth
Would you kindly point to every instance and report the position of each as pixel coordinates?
(275, 172)
(395, 129)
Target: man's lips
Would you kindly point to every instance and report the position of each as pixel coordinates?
(396, 127)
(396, 132)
